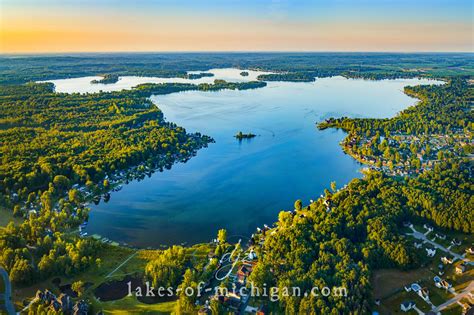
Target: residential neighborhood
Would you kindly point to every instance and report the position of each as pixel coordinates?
(405, 154)
(445, 285)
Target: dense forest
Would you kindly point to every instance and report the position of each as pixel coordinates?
(60, 150)
(337, 246)
(304, 66)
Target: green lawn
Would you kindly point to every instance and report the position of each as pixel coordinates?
(389, 281)
(455, 309)
(130, 305)
(6, 216)
(391, 305)
(437, 296)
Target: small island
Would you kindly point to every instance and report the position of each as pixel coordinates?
(244, 74)
(107, 79)
(195, 76)
(289, 77)
(241, 135)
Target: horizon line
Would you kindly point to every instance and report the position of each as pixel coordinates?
(234, 51)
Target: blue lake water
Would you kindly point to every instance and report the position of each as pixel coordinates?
(242, 185)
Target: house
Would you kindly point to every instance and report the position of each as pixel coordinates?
(470, 250)
(250, 309)
(262, 310)
(441, 236)
(244, 272)
(81, 308)
(237, 297)
(66, 303)
(55, 306)
(204, 311)
(441, 269)
(252, 255)
(445, 260)
(445, 285)
(456, 242)
(430, 252)
(460, 269)
(424, 294)
(62, 304)
(45, 297)
(442, 284)
(429, 228)
(407, 305)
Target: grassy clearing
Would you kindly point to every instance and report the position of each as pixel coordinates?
(130, 305)
(389, 281)
(455, 309)
(391, 305)
(6, 216)
(460, 282)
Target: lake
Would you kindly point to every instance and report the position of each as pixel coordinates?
(240, 185)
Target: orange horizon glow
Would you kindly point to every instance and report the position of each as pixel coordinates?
(57, 30)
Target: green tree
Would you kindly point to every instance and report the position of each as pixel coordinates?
(222, 236)
(78, 287)
(75, 196)
(187, 296)
(333, 186)
(61, 182)
(298, 204)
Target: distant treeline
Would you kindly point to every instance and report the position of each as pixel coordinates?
(21, 69)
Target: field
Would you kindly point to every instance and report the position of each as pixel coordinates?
(130, 305)
(389, 281)
(6, 216)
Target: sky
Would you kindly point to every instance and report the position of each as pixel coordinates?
(41, 26)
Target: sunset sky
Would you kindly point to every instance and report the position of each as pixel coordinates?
(35, 26)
